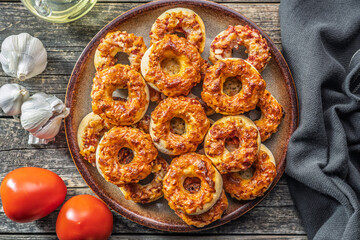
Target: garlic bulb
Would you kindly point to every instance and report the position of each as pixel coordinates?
(41, 115)
(23, 56)
(12, 97)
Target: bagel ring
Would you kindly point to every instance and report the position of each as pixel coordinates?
(253, 86)
(271, 115)
(118, 170)
(235, 36)
(192, 184)
(115, 42)
(196, 125)
(151, 191)
(244, 188)
(90, 130)
(179, 81)
(208, 217)
(119, 112)
(181, 20)
(242, 157)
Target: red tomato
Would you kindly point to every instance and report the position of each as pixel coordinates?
(31, 193)
(84, 217)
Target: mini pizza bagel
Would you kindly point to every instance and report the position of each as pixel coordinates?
(113, 162)
(271, 115)
(247, 188)
(119, 112)
(208, 217)
(253, 86)
(242, 157)
(172, 66)
(151, 191)
(256, 47)
(196, 125)
(192, 184)
(90, 130)
(181, 20)
(115, 42)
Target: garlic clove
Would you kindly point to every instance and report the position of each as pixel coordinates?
(42, 115)
(36, 111)
(38, 141)
(12, 97)
(23, 56)
(52, 127)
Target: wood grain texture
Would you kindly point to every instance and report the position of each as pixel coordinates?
(159, 237)
(274, 218)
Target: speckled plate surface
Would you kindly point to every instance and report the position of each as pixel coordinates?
(139, 20)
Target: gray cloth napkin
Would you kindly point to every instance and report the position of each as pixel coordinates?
(320, 42)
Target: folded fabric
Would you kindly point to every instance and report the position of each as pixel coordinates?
(320, 41)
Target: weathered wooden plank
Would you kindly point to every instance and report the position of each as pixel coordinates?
(260, 220)
(145, 1)
(162, 237)
(12, 22)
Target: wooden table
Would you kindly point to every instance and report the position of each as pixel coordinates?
(274, 218)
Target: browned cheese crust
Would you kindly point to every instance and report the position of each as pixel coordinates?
(190, 165)
(208, 110)
(151, 191)
(247, 189)
(155, 96)
(93, 132)
(108, 161)
(186, 22)
(253, 86)
(235, 36)
(143, 124)
(196, 121)
(243, 156)
(114, 42)
(271, 115)
(171, 46)
(208, 217)
(119, 112)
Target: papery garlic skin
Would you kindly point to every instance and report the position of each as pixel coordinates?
(42, 115)
(12, 97)
(23, 56)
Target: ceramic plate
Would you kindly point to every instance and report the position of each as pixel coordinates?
(139, 20)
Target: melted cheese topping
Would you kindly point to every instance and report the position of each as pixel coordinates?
(107, 155)
(196, 125)
(105, 55)
(119, 112)
(271, 115)
(192, 165)
(242, 157)
(247, 189)
(253, 86)
(151, 191)
(172, 47)
(235, 36)
(180, 20)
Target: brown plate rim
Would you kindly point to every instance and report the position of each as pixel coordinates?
(74, 150)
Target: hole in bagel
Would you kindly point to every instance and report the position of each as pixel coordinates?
(120, 94)
(147, 180)
(192, 184)
(240, 52)
(248, 173)
(125, 155)
(122, 58)
(232, 143)
(179, 34)
(232, 86)
(177, 126)
(170, 66)
(254, 114)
